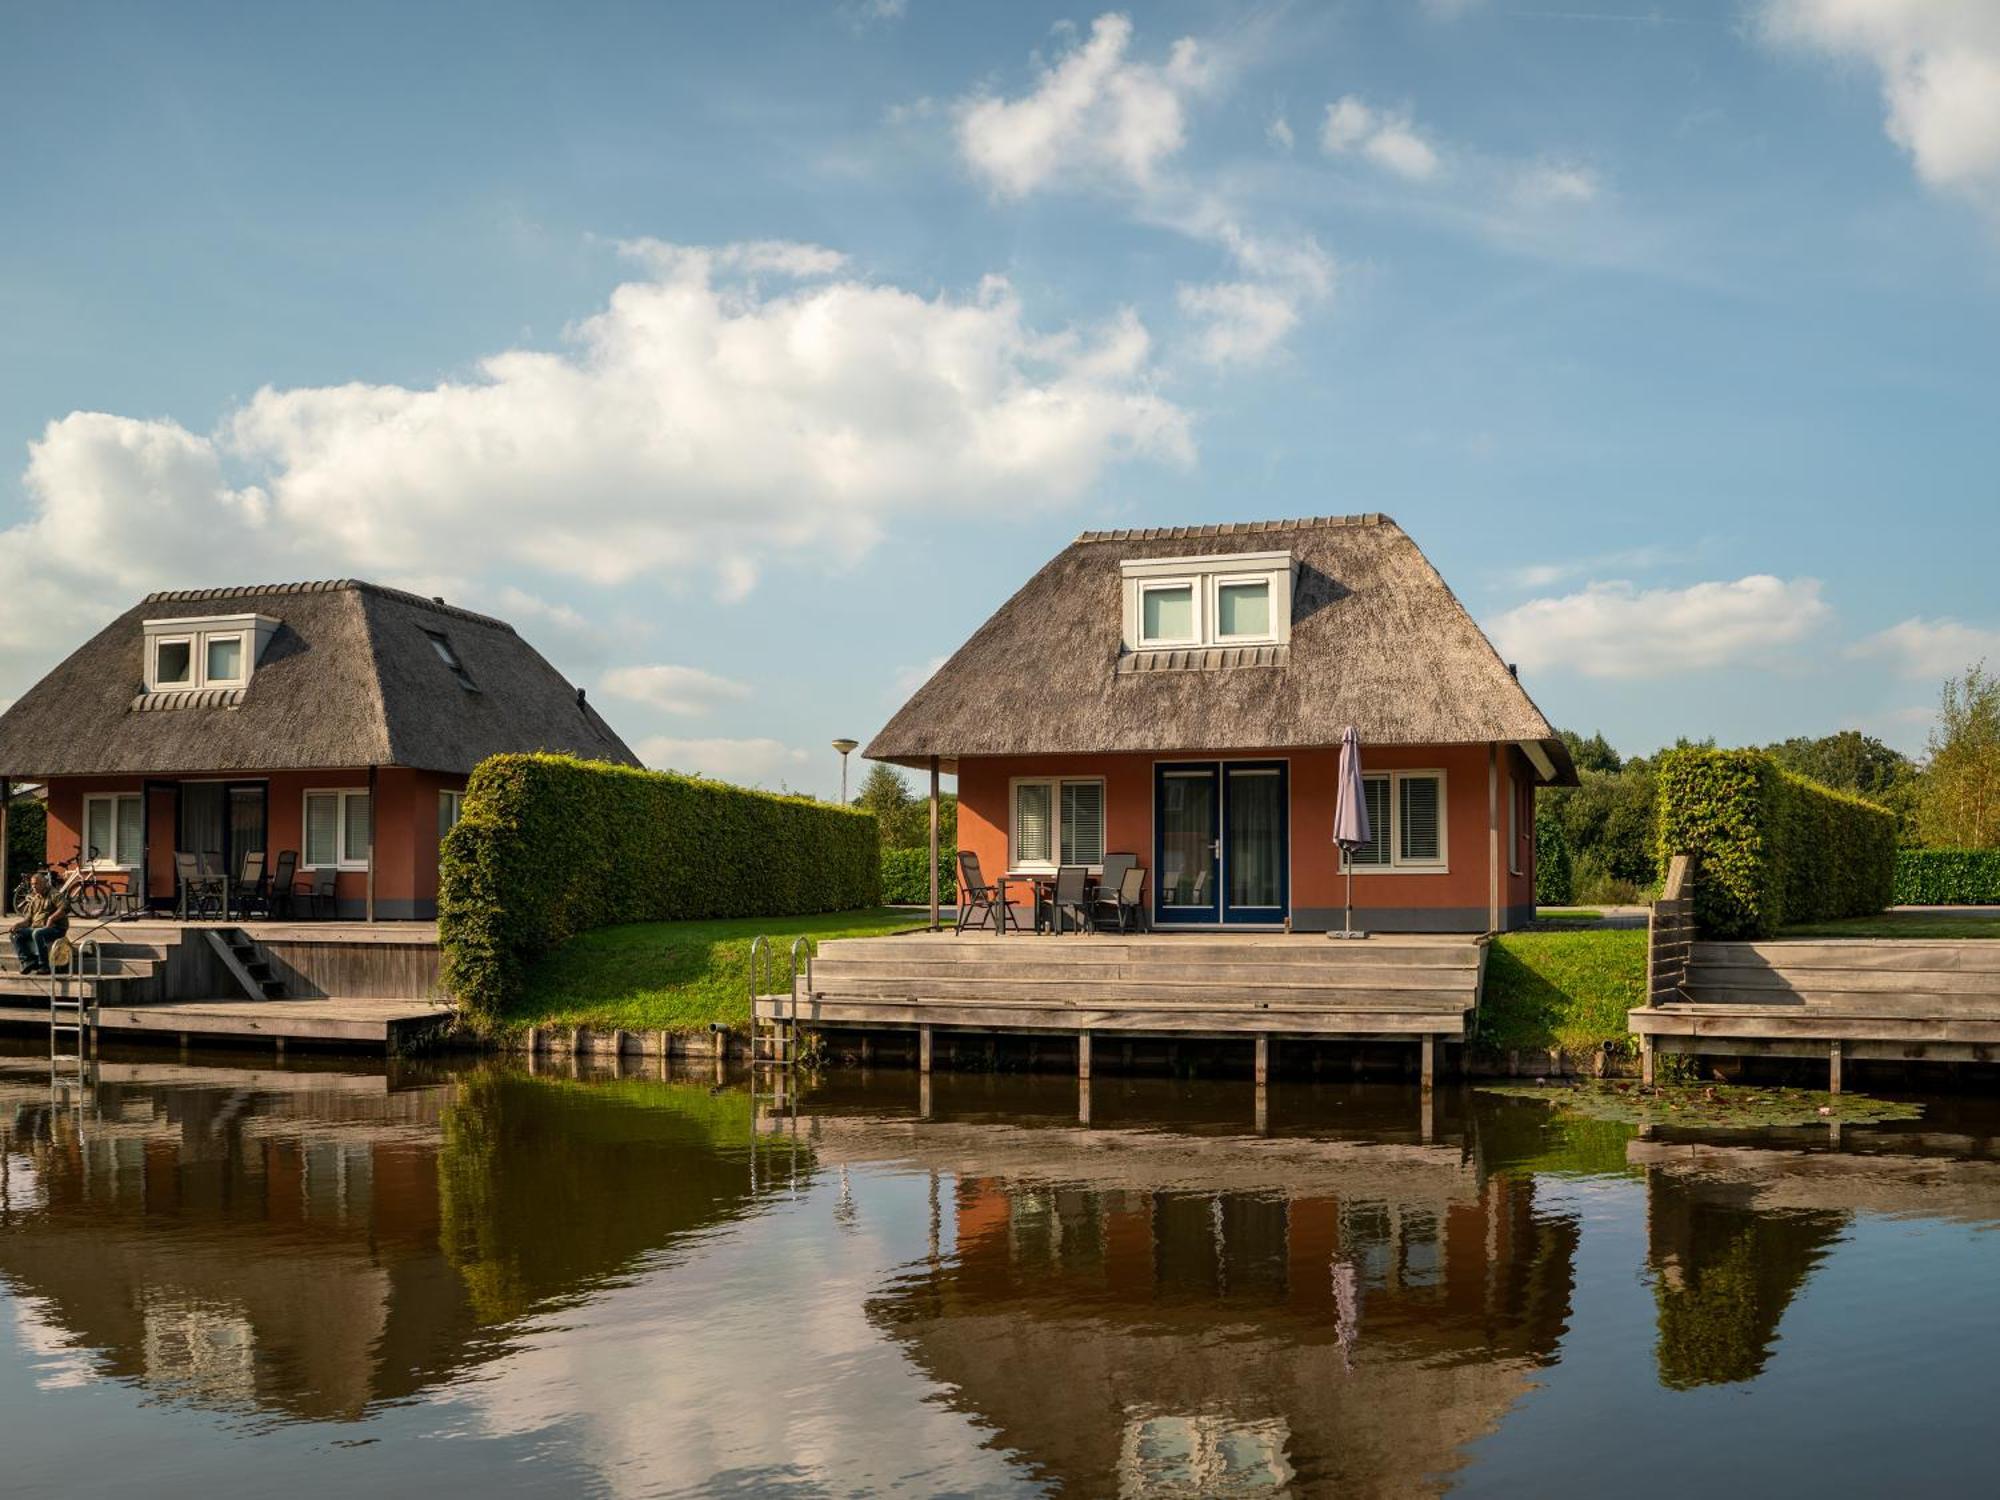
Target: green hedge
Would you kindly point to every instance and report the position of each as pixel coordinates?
(1947, 877)
(550, 846)
(1771, 847)
(27, 841)
(1555, 880)
(905, 882)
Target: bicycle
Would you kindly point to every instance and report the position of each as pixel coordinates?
(76, 878)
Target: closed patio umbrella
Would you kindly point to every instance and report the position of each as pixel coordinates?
(1350, 817)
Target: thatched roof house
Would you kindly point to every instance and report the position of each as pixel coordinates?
(231, 721)
(1094, 697)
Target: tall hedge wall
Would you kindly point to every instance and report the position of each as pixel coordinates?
(27, 836)
(1771, 847)
(906, 879)
(550, 846)
(1948, 877)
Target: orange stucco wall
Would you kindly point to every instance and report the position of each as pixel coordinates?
(1458, 896)
(406, 845)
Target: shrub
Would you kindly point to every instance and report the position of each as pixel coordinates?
(1553, 883)
(1947, 877)
(1771, 847)
(1594, 885)
(906, 883)
(27, 841)
(550, 846)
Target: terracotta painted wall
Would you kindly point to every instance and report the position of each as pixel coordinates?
(1317, 883)
(406, 856)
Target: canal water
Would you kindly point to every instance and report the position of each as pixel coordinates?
(226, 1277)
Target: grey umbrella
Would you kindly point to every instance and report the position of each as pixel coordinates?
(1350, 817)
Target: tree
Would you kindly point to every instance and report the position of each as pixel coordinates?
(1855, 762)
(1553, 885)
(905, 818)
(883, 791)
(1593, 754)
(1959, 805)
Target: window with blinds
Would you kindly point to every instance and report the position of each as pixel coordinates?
(337, 830)
(1058, 822)
(1083, 822)
(1420, 820)
(1375, 793)
(1034, 824)
(114, 831)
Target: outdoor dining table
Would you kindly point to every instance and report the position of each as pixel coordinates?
(1043, 884)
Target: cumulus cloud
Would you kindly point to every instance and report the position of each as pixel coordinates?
(1939, 65)
(1933, 649)
(745, 762)
(1389, 139)
(677, 690)
(1614, 630)
(1095, 114)
(1239, 322)
(697, 426)
(1546, 182)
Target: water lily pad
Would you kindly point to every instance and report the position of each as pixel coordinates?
(1712, 1106)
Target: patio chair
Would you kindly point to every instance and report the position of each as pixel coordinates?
(318, 894)
(251, 894)
(278, 892)
(1113, 871)
(198, 890)
(1068, 901)
(1120, 903)
(979, 901)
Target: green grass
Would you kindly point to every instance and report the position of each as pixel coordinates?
(1891, 925)
(1567, 914)
(674, 976)
(1567, 991)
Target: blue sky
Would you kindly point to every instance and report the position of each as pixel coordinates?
(747, 357)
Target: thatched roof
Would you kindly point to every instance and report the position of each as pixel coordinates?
(1377, 641)
(349, 679)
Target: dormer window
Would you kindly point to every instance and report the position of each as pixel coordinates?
(219, 651)
(1182, 603)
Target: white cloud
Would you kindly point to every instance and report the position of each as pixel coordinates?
(1240, 322)
(676, 690)
(1279, 133)
(745, 762)
(1390, 140)
(1095, 115)
(1613, 629)
(1547, 182)
(696, 427)
(1933, 649)
(1939, 64)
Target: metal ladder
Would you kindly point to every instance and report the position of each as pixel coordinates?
(73, 1011)
(775, 1043)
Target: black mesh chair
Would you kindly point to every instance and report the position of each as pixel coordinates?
(318, 894)
(1068, 902)
(278, 891)
(981, 901)
(198, 888)
(1120, 905)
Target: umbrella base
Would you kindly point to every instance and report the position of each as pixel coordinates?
(1347, 934)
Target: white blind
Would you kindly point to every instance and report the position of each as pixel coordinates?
(1375, 791)
(97, 827)
(131, 830)
(1032, 824)
(354, 809)
(1083, 822)
(322, 828)
(1422, 820)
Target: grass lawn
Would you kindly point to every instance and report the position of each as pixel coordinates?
(1565, 990)
(1567, 914)
(1891, 925)
(674, 976)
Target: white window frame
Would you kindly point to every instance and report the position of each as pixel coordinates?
(1195, 611)
(193, 678)
(342, 859)
(242, 639)
(1264, 637)
(1398, 865)
(1018, 866)
(114, 858)
(456, 801)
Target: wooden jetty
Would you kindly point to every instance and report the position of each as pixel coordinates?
(1262, 987)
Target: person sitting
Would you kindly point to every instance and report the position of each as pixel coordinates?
(45, 920)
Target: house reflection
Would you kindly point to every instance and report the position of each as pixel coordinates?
(307, 1244)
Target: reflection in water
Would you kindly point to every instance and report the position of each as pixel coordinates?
(640, 1286)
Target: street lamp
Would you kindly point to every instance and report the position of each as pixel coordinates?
(846, 748)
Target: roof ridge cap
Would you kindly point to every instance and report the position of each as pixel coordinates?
(1235, 528)
(323, 586)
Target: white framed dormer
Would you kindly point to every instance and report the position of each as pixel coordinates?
(1406, 818)
(1220, 600)
(208, 651)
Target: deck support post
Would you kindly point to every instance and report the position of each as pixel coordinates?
(924, 1050)
(1428, 1066)
(1263, 1110)
(934, 843)
(374, 800)
(1492, 843)
(1083, 1056)
(1083, 1099)
(1263, 1058)
(1646, 1060)
(1833, 1062)
(1427, 1116)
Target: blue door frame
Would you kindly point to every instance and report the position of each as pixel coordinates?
(1194, 828)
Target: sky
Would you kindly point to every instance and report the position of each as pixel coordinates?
(748, 357)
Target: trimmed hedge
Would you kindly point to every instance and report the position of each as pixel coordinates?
(1947, 877)
(550, 846)
(27, 841)
(1555, 881)
(1771, 847)
(905, 882)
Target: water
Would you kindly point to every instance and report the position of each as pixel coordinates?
(233, 1279)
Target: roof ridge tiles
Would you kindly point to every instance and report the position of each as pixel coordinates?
(321, 586)
(1234, 528)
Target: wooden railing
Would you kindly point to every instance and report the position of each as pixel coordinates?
(1670, 933)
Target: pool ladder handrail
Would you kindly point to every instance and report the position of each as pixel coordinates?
(775, 1044)
(74, 988)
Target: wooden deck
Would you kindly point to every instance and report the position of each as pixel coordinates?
(1419, 989)
(359, 1024)
(1838, 999)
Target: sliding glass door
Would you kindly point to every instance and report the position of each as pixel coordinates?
(1222, 852)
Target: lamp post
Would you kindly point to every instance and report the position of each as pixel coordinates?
(846, 748)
